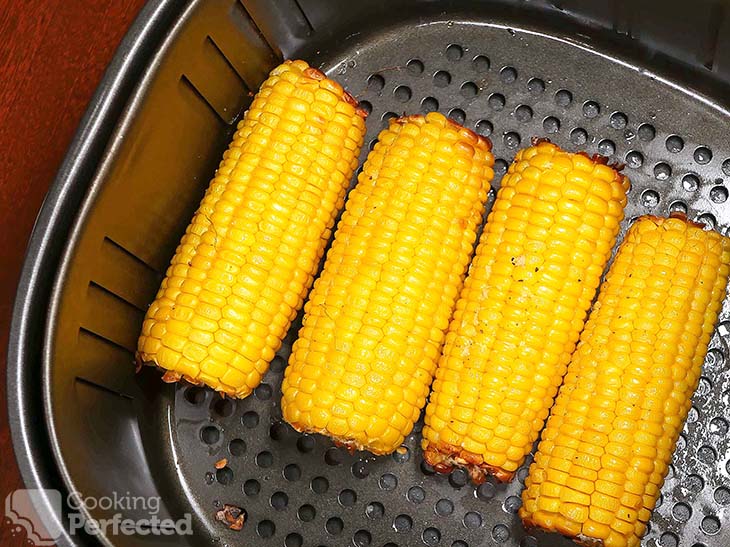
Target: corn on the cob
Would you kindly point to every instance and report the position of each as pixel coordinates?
(361, 368)
(607, 445)
(248, 257)
(529, 287)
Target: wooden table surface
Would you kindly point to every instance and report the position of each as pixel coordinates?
(52, 57)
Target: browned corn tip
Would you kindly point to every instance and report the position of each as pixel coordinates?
(597, 158)
(684, 218)
(445, 457)
(170, 377)
(315, 74)
(420, 119)
(318, 75)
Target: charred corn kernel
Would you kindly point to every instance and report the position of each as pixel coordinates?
(633, 305)
(376, 318)
(529, 287)
(248, 257)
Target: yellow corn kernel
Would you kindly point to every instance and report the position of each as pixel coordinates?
(633, 375)
(248, 258)
(519, 315)
(390, 281)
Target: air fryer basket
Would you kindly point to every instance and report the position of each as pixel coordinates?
(587, 77)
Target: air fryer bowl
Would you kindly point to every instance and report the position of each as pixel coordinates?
(646, 85)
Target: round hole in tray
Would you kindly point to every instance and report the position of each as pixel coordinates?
(634, 159)
(293, 540)
(454, 52)
(401, 455)
(690, 182)
(362, 538)
(264, 459)
(305, 444)
(460, 543)
(251, 487)
(472, 520)
(237, 447)
(702, 155)
(650, 198)
(429, 104)
(402, 93)
(195, 395)
(508, 74)
(458, 115)
(266, 529)
(579, 136)
(224, 475)
(512, 504)
(669, 539)
(523, 113)
(469, 90)
(678, 207)
(360, 469)
(388, 481)
(334, 526)
(279, 500)
(441, 78)
(563, 98)
(416, 494)
(618, 120)
(481, 63)
(210, 434)
(536, 86)
(606, 147)
(528, 541)
(722, 496)
(694, 483)
(278, 431)
(444, 507)
(374, 510)
(551, 124)
(497, 101)
(719, 194)
(306, 513)
(292, 472)
(484, 128)
(431, 536)
(458, 478)
(681, 512)
(674, 144)
(591, 109)
(402, 523)
(662, 171)
(376, 83)
(319, 485)
(709, 220)
(250, 419)
(415, 66)
(500, 533)
(710, 525)
(347, 497)
(646, 132)
(279, 363)
(263, 392)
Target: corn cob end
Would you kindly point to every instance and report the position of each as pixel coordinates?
(445, 457)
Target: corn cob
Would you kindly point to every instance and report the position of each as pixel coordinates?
(374, 324)
(248, 257)
(607, 445)
(529, 287)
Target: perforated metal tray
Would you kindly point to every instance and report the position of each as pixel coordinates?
(509, 84)
(127, 191)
